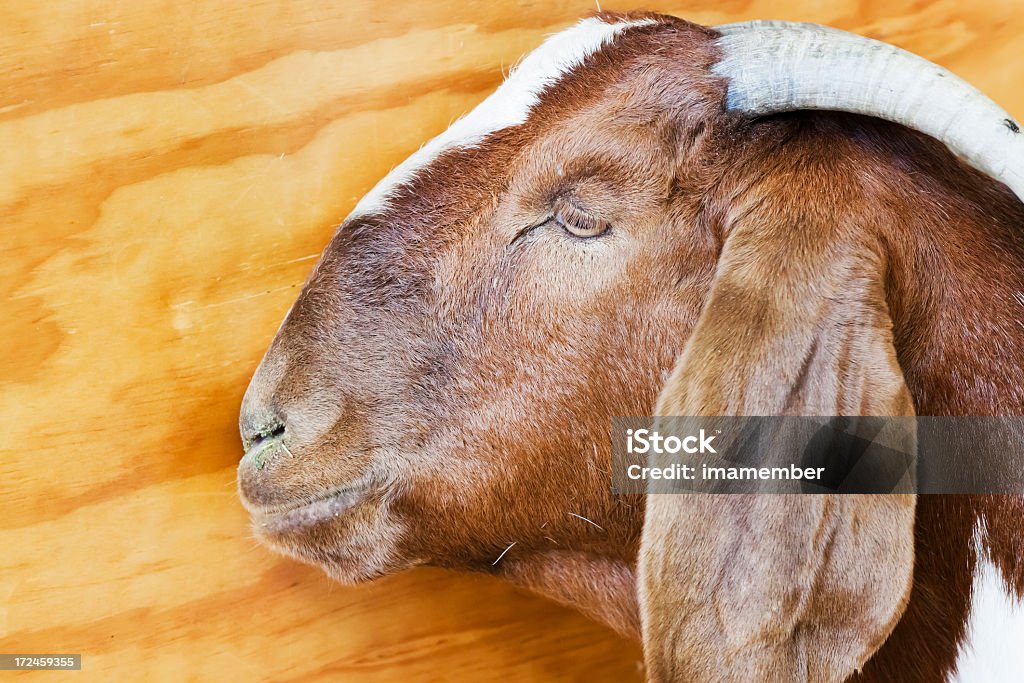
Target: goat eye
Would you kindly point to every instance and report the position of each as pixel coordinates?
(579, 223)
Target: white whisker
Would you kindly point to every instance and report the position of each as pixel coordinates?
(503, 554)
(589, 521)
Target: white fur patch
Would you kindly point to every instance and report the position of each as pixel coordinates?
(507, 106)
(993, 650)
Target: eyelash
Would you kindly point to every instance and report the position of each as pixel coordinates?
(574, 221)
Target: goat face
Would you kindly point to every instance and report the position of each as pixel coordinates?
(440, 388)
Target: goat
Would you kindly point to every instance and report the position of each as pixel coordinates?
(757, 219)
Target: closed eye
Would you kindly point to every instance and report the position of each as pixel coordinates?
(579, 223)
(572, 220)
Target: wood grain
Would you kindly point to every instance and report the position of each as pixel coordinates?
(170, 172)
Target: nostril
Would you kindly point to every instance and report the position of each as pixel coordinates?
(267, 433)
(262, 446)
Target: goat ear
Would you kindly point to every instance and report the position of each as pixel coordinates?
(780, 587)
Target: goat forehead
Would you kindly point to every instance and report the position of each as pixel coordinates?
(509, 105)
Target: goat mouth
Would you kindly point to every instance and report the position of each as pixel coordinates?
(293, 518)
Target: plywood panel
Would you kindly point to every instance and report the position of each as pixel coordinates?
(169, 173)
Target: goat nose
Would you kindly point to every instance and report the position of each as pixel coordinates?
(256, 422)
(261, 435)
(261, 432)
(260, 448)
(259, 419)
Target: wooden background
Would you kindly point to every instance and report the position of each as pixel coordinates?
(169, 172)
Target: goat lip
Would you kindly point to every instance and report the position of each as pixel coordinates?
(284, 519)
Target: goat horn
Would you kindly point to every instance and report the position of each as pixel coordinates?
(777, 66)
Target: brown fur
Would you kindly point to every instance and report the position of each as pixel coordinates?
(457, 370)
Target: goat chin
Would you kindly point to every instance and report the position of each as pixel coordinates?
(350, 538)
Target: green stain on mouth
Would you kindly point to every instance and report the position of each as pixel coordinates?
(259, 458)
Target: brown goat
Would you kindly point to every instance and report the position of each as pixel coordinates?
(610, 238)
